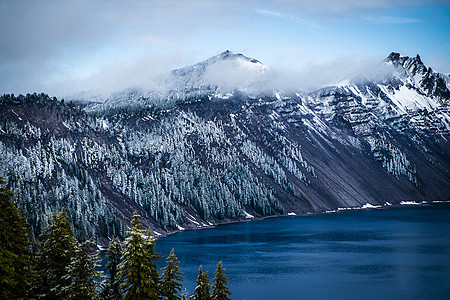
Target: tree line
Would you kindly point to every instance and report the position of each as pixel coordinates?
(58, 266)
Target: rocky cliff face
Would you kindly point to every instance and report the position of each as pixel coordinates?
(201, 152)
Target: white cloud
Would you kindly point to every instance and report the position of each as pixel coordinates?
(298, 19)
(336, 8)
(58, 46)
(390, 20)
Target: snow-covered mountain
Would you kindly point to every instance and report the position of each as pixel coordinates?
(210, 146)
(219, 76)
(224, 73)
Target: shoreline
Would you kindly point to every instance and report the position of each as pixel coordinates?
(386, 205)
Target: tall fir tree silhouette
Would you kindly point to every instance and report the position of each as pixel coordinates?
(15, 262)
(138, 268)
(57, 249)
(112, 287)
(201, 291)
(171, 278)
(220, 289)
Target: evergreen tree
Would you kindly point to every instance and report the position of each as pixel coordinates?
(15, 256)
(220, 289)
(138, 268)
(171, 278)
(201, 291)
(112, 286)
(58, 247)
(83, 279)
(184, 295)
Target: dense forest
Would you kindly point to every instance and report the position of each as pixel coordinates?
(59, 266)
(78, 160)
(204, 160)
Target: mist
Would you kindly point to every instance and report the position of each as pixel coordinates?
(315, 75)
(64, 47)
(150, 75)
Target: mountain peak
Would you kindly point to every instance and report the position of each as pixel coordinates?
(396, 59)
(393, 57)
(418, 59)
(227, 54)
(413, 64)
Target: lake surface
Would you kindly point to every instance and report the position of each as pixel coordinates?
(396, 253)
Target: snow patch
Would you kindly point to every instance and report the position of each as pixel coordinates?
(387, 204)
(147, 118)
(192, 220)
(157, 233)
(101, 248)
(408, 99)
(368, 205)
(291, 214)
(409, 203)
(247, 215)
(441, 201)
(180, 228)
(345, 208)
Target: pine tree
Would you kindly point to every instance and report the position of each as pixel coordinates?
(138, 268)
(58, 247)
(112, 286)
(83, 279)
(201, 291)
(15, 256)
(171, 278)
(184, 295)
(220, 289)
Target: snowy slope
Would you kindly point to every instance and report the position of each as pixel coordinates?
(204, 148)
(219, 76)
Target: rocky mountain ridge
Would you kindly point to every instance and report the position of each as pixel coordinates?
(205, 151)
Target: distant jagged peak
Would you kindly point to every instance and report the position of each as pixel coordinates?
(412, 72)
(394, 57)
(412, 64)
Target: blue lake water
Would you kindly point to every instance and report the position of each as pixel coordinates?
(396, 253)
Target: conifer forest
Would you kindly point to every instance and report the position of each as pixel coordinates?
(59, 266)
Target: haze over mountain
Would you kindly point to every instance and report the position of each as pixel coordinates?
(226, 140)
(63, 47)
(228, 72)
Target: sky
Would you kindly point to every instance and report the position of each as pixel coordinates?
(63, 47)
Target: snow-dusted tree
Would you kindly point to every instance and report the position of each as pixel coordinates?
(220, 289)
(138, 268)
(112, 285)
(58, 247)
(82, 278)
(201, 291)
(15, 262)
(171, 278)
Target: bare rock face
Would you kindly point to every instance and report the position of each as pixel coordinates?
(200, 153)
